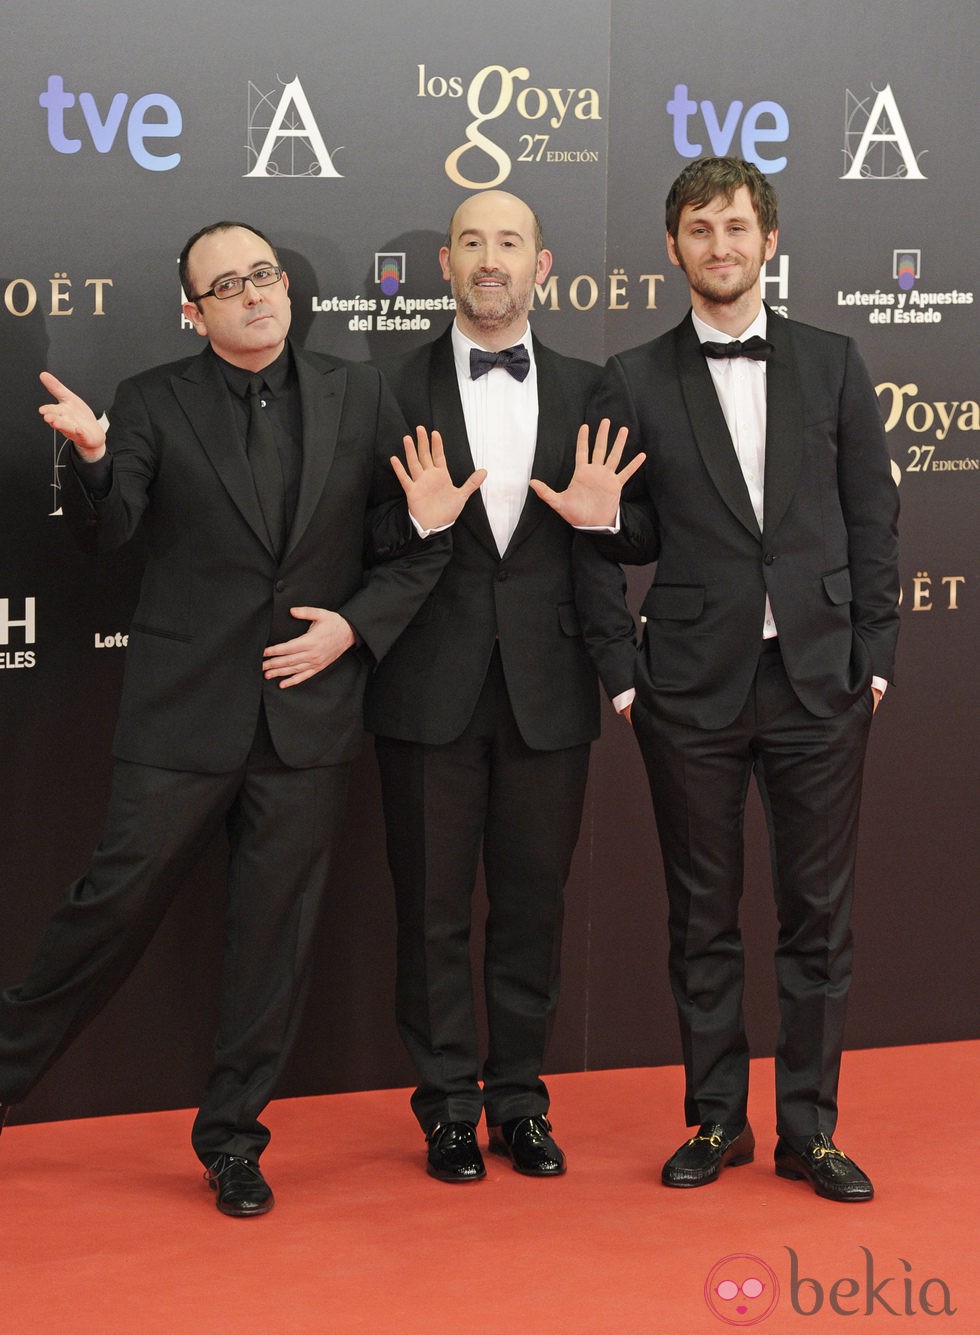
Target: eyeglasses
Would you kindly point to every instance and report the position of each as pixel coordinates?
(234, 287)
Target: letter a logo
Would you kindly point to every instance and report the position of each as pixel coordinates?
(883, 138)
(292, 144)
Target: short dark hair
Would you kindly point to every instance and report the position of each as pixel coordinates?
(707, 178)
(224, 226)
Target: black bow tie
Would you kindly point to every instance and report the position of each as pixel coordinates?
(516, 360)
(755, 347)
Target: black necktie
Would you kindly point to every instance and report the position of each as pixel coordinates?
(263, 456)
(755, 347)
(516, 360)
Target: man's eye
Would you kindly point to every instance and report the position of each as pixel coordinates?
(227, 285)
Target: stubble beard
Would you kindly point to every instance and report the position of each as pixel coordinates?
(720, 293)
(491, 309)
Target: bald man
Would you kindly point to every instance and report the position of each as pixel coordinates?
(485, 708)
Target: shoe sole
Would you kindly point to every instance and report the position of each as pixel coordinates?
(453, 1178)
(245, 1214)
(798, 1175)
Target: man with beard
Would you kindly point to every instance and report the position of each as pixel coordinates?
(485, 708)
(767, 500)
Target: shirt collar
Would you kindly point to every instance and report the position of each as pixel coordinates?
(275, 375)
(707, 334)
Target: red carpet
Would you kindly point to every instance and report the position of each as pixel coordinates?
(109, 1230)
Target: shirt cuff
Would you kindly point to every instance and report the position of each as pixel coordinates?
(427, 532)
(599, 528)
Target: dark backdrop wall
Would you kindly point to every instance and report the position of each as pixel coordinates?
(350, 139)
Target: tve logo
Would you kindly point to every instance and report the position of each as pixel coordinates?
(153, 116)
(763, 123)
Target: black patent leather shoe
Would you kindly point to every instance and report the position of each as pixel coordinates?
(241, 1189)
(454, 1155)
(527, 1142)
(828, 1170)
(701, 1159)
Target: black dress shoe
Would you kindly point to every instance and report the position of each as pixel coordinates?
(528, 1143)
(828, 1170)
(700, 1159)
(4, 1110)
(454, 1155)
(242, 1190)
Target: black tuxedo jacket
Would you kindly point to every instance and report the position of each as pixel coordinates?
(826, 555)
(214, 594)
(427, 687)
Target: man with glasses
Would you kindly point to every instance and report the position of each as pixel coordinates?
(256, 469)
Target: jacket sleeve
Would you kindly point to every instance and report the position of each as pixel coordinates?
(401, 569)
(100, 525)
(869, 501)
(607, 623)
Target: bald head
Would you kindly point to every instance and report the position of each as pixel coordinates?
(502, 208)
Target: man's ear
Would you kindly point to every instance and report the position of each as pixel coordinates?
(193, 312)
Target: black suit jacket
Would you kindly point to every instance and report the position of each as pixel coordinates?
(214, 594)
(827, 554)
(427, 687)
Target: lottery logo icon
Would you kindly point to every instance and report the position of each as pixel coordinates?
(905, 265)
(741, 1290)
(389, 271)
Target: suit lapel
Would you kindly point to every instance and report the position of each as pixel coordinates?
(206, 400)
(784, 424)
(322, 398)
(448, 419)
(710, 429)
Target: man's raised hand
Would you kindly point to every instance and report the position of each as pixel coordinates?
(73, 418)
(591, 499)
(433, 499)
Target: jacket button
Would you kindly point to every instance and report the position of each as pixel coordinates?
(501, 574)
(768, 558)
(280, 585)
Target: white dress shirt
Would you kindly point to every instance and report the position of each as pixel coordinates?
(501, 415)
